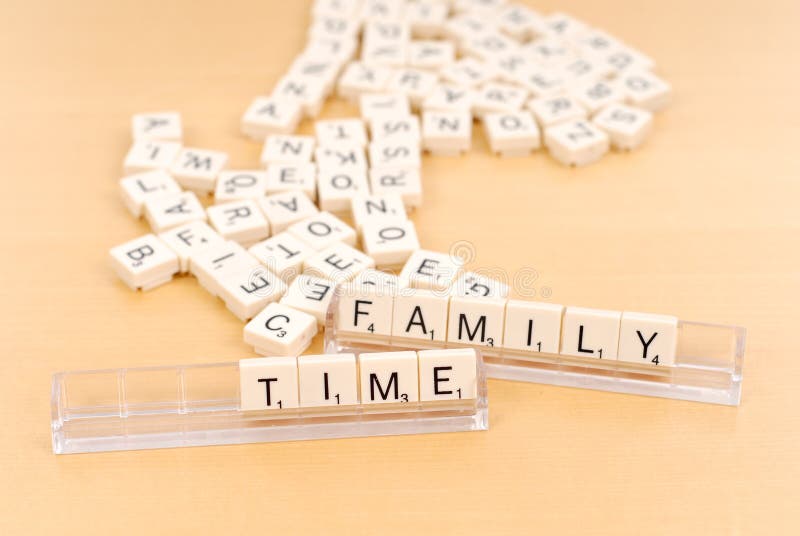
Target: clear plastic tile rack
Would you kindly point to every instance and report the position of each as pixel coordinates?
(708, 363)
(194, 405)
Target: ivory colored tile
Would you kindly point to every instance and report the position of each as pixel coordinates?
(341, 158)
(310, 295)
(139, 187)
(359, 78)
(626, 126)
(334, 27)
(533, 326)
(147, 155)
(210, 265)
(626, 59)
(283, 254)
(318, 69)
(285, 149)
(431, 270)
(341, 49)
(241, 221)
(383, 281)
(338, 187)
(389, 243)
(389, 377)
(335, 8)
(386, 54)
(322, 230)
(471, 284)
(144, 263)
(188, 238)
(565, 26)
(449, 98)
(365, 310)
(165, 126)
(285, 177)
(489, 46)
(420, 315)
(648, 339)
(476, 321)
(168, 211)
(413, 83)
(549, 51)
(284, 209)
(645, 90)
(382, 10)
(247, 293)
(308, 92)
(550, 111)
(448, 374)
(426, 19)
(401, 128)
(267, 115)
(496, 97)
(240, 184)
(280, 330)
(328, 380)
(512, 133)
(576, 143)
(388, 207)
(406, 183)
(468, 72)
(197, 169)
(595, 96)
(446, 133)
(338, 263)
(431, 55)
(590, 333)
(268, 383)
(341, 132)
(376, 105)
(521, 22)
(388, 154)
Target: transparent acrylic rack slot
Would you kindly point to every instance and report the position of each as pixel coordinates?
(195, 405)
(708, 363)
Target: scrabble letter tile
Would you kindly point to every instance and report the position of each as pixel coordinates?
(446, 133)
(476, 321)
(248, 292)
(388, 154)
(197, 169)
(338, 187)
(212, 264)
(511, 134)
(323, 230)
(164, 126)
(287, 149)
(138, 188)
(533, 326)
(576, 143)
(328, 380)
(590, 333)
(389, 377)
(283, 254)
(474, 285)
(280, 330)
(550, 111)
(168, 211)
(430, 270)
(238, 185)
(147, 155)
(420, 315)
(648, 339)
(377, 207)
(268, 383)
(626, 126)
(448, 374)
(310, 295)
(144, 263)
(389, 243)
(189, 238)
(404, 182)
(266, 116)
(341, 132)
(286, 208)
(283, 177)
(337, 263)
(646, 90)
(366, 310)
(241, 221)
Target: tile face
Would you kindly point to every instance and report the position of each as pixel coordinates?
(625, 59)
(576, 143)
(386, 54)
(476, 321)
(426, 20)
(310, 295)
(413, 83)
(511, 134)
(341, 158)
(197, 169)
(266, 116)
(626, 126)
(550, 111)
(468, 72)
(449, 98)
(590, 333)
(446, 133)
(377, 105)
(240, 184)
(387, 207)
(337, 263)
(268, 383)
(287, 149)
(318, 69)
(401, 128)
(387, 154)
(366, 310)
(308, 92)
(186, 239)
(533, 326)
(338, 187)
(284, 177)
(247, 293)
(341, 49)
(333, 28)
(520, 22)
(341, 132)
(430, 270)
(597, 95)
(212, 264)
(498, 97)
(648, 339)
(432, 55)
(645, 90)
(389, 243)
(280, 330)
(144, 263)
(471, 284)
(488, 46)
(359, 78)
(421, 315)
(323, 230)
(328, 380)
(165, 126)
(241, 221)
(381, 281)
(147, 155)
(283, 254)
(389, 377)
(138, 188)
(543, 82)
(168, 211)
(448, 374)
(286, 208)
(403, 182)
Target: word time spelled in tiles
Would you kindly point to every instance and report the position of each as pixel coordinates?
(447, 374)
(268, 383)
(280, 330)
(144, 263)
(389, 377)
(328, 380)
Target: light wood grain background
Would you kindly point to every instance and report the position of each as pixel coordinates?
(701, 223)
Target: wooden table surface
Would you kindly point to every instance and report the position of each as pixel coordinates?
(701, 223)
